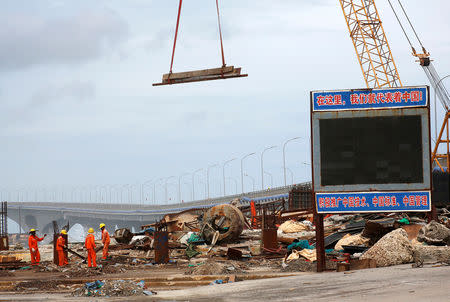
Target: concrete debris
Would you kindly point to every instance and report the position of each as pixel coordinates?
(211, 267)
(430, 254)
(393, 249)
(349, 239)
(434, 233)
(292, 226)
(303, 265)
(116, 288)
(299, 265)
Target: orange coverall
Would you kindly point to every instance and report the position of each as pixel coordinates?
(60, 244)
(105, 240)
(33, 245)
(90, 246)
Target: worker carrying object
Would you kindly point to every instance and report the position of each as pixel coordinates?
(61, 246)
(105, 240)
(33, 245)
(89, 244)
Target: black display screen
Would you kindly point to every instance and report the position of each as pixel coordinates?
(375, 150)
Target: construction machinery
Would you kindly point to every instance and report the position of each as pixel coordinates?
(378, 66)
(379, 70)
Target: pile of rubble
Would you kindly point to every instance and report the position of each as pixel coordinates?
(117, 288)
(233, 240)
(211, 267)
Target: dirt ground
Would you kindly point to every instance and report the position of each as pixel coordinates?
(179, 274)
(397, 283)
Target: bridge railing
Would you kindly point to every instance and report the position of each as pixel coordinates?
(139, 203)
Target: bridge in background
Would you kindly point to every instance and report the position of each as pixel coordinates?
(41, 214)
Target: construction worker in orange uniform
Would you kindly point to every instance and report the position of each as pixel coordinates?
(60, 249)
(89, 244)
(105, 240)
(33, 245)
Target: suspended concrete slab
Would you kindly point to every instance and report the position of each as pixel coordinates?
(221, 73)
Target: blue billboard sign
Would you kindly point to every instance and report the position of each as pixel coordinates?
(358, 99)
(360, 202)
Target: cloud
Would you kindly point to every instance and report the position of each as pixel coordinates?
(29, 40)
(76, 90)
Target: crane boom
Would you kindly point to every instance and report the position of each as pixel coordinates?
(370, 42)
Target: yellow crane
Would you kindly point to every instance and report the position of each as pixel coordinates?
(370, 42)
(378, 65)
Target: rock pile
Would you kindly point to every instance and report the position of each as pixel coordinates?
(393, 249)
(434, 233)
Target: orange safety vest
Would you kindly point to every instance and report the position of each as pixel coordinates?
(60, 243)
(33, 241)
(105, 237)
(90, 242)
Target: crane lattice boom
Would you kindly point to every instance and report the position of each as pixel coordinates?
(370, 42)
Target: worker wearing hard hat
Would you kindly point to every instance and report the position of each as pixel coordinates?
(33, 245)
(61, 243)
(89, 244)
(105, 240)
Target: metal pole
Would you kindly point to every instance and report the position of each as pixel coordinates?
(202, 183)
(121, 191)
(292, 175)
(187, 184)
(223, 174)
(193, 183)
(142, 190)
(207, 176)
(154, 189)
(235, 184)
(253, 181)
(271, 178)
(242, 169)
(284, 155)
(165, 188)
(179, 185)
(262, 165)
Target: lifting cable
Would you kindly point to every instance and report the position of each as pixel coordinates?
(220, 33)
(401, 25)
(176, 35)
(407, 17)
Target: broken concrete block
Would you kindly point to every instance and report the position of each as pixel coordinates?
(424, 254)
(434, 233)
(393, 249)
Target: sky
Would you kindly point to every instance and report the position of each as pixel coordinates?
(78, 111)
